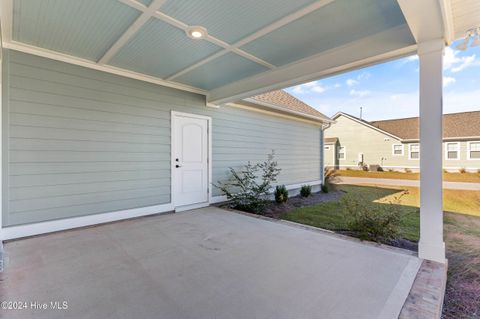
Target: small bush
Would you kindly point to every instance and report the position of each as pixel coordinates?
(478, 171)
(365, 168)
(348, 169)
(373, 221)
(391, 170)
(379, 169)
(306, 191)
(281, 194)
(408, 170)
(248, 188)
(325, 188)
(445, 171)
(462, 170)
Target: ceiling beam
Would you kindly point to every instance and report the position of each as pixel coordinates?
(447, 16)
(383, 46)
(424, 18)
(147, 13)
(180, 25)
(6, 20)
(260, 33)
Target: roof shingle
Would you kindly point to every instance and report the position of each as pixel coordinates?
(466, 124)
(283, 99)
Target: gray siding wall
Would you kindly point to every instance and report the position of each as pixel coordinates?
(79, 141)
(377, 148)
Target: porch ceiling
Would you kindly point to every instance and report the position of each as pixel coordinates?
(248, 46)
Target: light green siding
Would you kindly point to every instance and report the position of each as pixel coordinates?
(79, 141)
(377, 148)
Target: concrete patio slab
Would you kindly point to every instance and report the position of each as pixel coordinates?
(206, 263)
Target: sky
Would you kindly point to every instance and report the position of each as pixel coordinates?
(390, 90)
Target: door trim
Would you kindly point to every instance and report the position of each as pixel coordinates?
(172, 158)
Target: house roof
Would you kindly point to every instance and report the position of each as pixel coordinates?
(289, 103)
(465, 124)
(331, 140)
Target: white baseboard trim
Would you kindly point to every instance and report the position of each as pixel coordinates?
(20, 231)
(291, 187)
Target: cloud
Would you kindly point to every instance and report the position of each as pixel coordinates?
(359, 93)
(364, 76)
(447, 80)
(315, 87)
(351, 82)
(455, 63)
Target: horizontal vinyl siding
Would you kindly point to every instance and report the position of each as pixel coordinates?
(84, 142)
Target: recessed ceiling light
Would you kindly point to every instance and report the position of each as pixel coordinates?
(197, 32)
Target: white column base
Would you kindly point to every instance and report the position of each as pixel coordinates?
(434, 252)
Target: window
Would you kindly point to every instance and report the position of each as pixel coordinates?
(397, 149)
(474, 150)
(342, 153)
(414, 151)
(452, 151)
(327, 148)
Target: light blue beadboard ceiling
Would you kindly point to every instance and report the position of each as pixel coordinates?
(89, 29)
(83, 28)
(159, 49)
(322, 30)
(223, 70)
(231, 20)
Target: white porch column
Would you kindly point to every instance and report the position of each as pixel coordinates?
(431, 245)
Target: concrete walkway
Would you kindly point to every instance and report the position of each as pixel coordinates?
(207, 263)
(404, 182)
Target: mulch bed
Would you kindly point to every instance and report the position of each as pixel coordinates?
(275, 210)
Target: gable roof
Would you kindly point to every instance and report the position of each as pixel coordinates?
(455, 125)
(283, 100)
(465, 124)
(366, 123)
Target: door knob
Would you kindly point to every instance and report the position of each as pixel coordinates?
(177, 166)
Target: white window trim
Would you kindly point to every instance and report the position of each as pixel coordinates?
(393, 149)
(458, 151)
(410, 152)
(344, 153)
(468, 151)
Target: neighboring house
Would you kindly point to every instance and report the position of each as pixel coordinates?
(84, 143)
(394, 144)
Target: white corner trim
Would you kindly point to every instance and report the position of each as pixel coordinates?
(223, 198)
(13, 232)
(448, 24)
(17, 46)
(457, 150)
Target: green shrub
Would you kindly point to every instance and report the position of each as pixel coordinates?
(462, 170)
(407, 170)
(249, 187)
(306, 191)
(324, 187)
(379, 169)
(365, 168)
(281, 194)
(373, 221)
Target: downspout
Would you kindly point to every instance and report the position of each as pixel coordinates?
(322, 151)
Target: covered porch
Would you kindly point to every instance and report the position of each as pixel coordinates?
(219, 52)
(206, 263)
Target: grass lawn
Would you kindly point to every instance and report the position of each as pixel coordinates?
(462, 236)
(448, 177)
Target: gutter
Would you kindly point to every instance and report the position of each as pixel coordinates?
(283, 109)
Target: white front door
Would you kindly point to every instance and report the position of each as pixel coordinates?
(190, 159)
